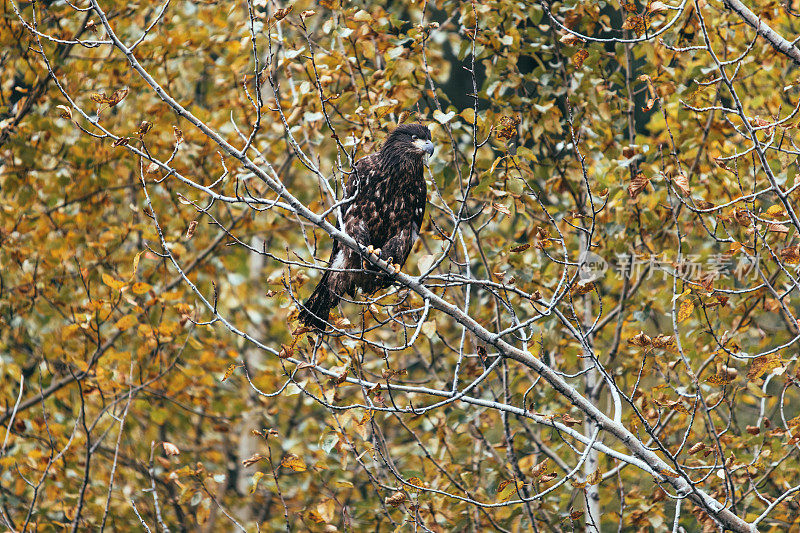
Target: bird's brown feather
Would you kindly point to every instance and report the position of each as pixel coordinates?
(388, 196)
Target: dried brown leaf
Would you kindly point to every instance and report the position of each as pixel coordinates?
(791, 254)
(579, 57)
(395, 499)
(638, 184)
(190, 230)
(640, 339)
(253, 459)
(682, 183)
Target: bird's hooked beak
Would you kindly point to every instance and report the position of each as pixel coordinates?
(425, 146)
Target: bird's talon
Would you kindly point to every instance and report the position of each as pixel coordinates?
(396, 268)
(370, 249)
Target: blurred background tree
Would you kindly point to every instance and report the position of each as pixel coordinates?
(595, 330)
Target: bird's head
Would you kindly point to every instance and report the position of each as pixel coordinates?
(414, 139)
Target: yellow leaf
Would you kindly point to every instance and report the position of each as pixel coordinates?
(496, 162)
(256, 477)
(468, 115)
(315, 516)
(594, 478)
(718, 379)
(293, 462)
(113, 283)
(126, 322)
(136, 263)
(539, 470)
(141, 287)
(778, 228)
(229, 372)
(764, 364)
(70, 331)
(685, 311)
(775, 211)
(327, 510)
(506, 490)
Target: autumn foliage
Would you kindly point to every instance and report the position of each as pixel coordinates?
(596, 329)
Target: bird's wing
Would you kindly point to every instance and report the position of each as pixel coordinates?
(363, 171)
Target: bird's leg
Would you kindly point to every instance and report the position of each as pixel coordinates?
(394, 267)
(398, 246)
(374, 252)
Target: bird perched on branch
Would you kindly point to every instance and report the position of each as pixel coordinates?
(387, 195)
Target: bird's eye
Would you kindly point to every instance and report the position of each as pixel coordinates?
(414, 137)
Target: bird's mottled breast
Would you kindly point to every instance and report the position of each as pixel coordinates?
(387, 198)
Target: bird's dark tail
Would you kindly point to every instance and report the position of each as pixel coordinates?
(314, 313)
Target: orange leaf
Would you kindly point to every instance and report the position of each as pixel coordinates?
(791, 254)
(229, 371)
(141, 287)
(293, 462)
(579, 57)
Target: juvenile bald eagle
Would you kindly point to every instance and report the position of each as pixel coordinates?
(385, 214)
